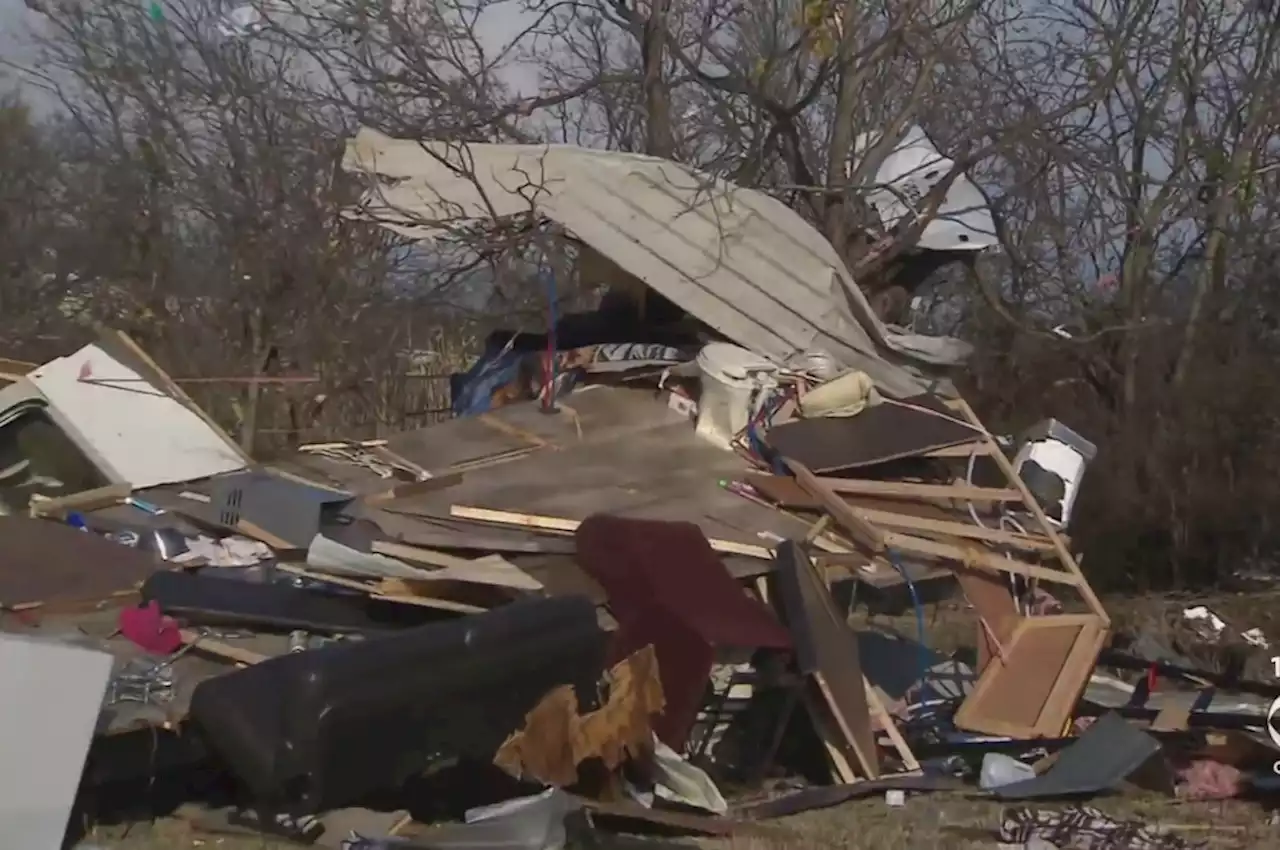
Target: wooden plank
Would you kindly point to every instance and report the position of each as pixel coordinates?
(85, 500)
(491, 570)
(1072, 680)
(404, 599)
(841, 770)
(890, 519)
(1172, 718)
(975, 557)
(1046, 527)
(964, 450)
(257, 532)
(913, 490)
(568, 526)
(410, 489)
(509, 430)
(219, 649)
(18, 369)
(863, 531)
(993, 602)
(890, 728)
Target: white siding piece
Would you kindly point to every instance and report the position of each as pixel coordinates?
(50, 698)
(143, 436)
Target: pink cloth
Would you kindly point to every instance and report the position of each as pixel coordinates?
(149, 629)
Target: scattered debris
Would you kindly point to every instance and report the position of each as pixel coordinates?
(608, 613)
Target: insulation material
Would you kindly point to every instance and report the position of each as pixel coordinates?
(555, 738)
(50, 695)
(137, 433)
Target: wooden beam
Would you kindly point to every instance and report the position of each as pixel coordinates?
(927, 525)
(964, 450)
(864, 533)
(85, 500)
(372, 590)
(1046, 527)
(976, 557)
(568, 526)
(912, 490)
(219, 649)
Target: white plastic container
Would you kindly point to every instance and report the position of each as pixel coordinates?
(999, 770)
(1051, 461)
(730, 376)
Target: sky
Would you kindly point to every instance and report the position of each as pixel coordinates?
(15, 17)
(498, 25)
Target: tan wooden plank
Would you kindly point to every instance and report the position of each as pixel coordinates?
(562, 525)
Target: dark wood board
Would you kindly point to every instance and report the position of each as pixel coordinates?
(47, 561)
(827, 650)
(878, 434)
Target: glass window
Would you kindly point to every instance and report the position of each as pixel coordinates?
(37, 457)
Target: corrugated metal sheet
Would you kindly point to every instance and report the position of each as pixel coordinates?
(736, 258)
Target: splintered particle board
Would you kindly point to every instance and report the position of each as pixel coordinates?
(1030, 688)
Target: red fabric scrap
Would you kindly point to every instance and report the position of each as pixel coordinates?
(150, 630)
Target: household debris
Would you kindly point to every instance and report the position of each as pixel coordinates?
(593, 603)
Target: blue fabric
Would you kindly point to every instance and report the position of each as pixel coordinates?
(471, 392)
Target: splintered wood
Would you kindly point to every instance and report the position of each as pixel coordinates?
(555, 738)
(1033, 668)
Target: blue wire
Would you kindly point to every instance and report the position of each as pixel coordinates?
(552, 345)
(915, 600)
(757, 443)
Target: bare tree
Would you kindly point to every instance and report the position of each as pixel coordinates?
(28, 229)
(206, 199)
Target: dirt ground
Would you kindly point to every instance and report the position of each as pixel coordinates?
(926, 821)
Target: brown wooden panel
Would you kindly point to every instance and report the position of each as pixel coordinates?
(1030, 691)
(993, 602)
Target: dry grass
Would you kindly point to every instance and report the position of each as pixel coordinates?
(937, 820)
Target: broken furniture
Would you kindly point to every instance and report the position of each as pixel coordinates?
(315, 730)
(997, 541)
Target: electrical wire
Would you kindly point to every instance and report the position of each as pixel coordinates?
(1004, 518)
